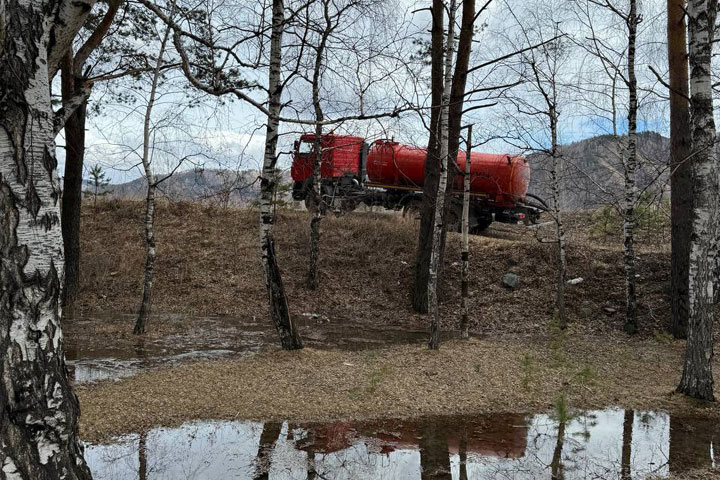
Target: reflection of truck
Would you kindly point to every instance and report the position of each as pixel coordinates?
(389, 174)
(504, 436)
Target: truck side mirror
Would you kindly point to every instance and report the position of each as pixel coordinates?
(296, 144)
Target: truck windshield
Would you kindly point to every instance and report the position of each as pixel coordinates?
(305, 147)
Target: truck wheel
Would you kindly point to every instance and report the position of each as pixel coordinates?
(310, 203)
(411, 210)
(482, 225)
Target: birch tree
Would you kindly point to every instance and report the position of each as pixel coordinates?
(214, 57)
(317, 208)
(146, 304)
(38, 410)
(333, 33)
(104, 51)
(697, 378)
(432, 162)
(433, 167)
(205, 74)
(631, 19)
(465, 230)
(680, 166)
(439, 218)
(279, 309)
(543, 70)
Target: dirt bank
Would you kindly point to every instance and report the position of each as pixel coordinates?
(208, 264)
(476, 376)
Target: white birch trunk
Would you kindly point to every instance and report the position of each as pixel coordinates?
(277, 299)
(465, 251)
(146, 303)
(38, 410)
(318, 207)
(630, 174)
(435, 254)
(697, 379)
(556, 168)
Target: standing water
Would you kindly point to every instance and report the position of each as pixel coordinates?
(592, 445)
(94, 356)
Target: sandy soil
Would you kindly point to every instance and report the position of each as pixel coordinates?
(475, 376)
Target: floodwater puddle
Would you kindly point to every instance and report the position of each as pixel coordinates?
(598, 444)
(94, 357)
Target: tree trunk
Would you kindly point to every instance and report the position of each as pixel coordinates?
(457, 93)
(432, 164)
(146, 304)
(559, 227)
(269, 436)
(556, 465)
(72, 183)
(432, 285)
(279, 309)
(142, 457)
(693, 444)
(630, 187)
(626, 455)
(317, 209)
(680, 165)
(434, 453)
(697, 379)
(434, 159)
(72, 86)
(38, 410)
(465, 251)
(462, 454)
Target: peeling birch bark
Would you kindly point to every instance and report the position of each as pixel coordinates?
(38, 410)
(697, 378)
(435, 255)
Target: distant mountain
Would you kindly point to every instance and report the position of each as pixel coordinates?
(593, 173)
(215, 185)
(592, 176)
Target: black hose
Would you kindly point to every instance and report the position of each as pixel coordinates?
(543, 202)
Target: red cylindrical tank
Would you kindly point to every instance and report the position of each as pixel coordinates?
(502, 179)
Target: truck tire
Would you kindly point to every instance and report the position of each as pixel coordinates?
(411, 210)
(482, 225)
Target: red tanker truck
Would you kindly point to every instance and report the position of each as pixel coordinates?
(390, 174)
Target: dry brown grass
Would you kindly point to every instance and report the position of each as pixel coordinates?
(468, 377)
(208, 264)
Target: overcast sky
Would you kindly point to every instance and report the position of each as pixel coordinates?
(231, 135)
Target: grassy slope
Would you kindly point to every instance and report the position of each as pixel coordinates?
(208, 263)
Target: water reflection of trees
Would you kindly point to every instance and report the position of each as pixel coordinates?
(434, 453)
(693, 442)
(603, 444)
